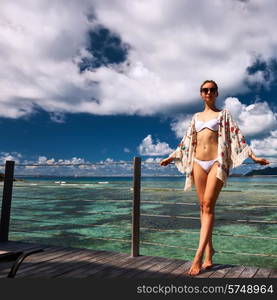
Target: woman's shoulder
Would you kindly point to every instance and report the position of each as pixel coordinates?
(225, 111)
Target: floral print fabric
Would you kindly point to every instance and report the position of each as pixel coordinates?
(232, 149)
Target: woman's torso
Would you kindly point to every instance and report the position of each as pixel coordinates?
(207, 138)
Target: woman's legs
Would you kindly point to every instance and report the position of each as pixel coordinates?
(209, 250)
(200, 179)
(211, 191)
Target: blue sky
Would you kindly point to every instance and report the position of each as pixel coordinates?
(96, 81)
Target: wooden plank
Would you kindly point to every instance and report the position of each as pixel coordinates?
(208, 273)
(72, 263)
(3, 262)
(166, 271)
(84, 264)
(58, 264)
(248, 272)
(234, 272)
(6, 266)
(180, 272)
(99, 270)
(262, 273)
(153, 269)
(273, 274)
(117, 265)
(91, 267)
(221, 271)
(37, 269)
(217, 271)
(133, 272)
(58, 261)
(205, 274)
(135, 263)
(40, 260)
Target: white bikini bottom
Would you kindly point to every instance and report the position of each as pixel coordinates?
(206, 164)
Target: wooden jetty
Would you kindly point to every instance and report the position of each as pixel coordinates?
(63, 262)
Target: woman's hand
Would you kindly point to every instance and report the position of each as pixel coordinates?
(261, 161)
(166, 161)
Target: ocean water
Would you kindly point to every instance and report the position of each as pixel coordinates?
(95, 213)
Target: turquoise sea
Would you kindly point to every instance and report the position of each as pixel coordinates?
(95, 213)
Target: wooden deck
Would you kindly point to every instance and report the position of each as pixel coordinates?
(61, 262)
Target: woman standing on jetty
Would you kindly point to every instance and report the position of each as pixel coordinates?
(212, 145)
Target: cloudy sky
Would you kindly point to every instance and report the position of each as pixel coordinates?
(107, 80)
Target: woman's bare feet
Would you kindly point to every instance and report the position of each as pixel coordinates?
(195, 268)
(208, 263)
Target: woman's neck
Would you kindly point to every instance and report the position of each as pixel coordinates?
(210, 108)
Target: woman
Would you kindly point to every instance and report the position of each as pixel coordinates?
(211, 146)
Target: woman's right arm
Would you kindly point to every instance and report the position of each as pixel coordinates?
(177, 154)
(166, 161)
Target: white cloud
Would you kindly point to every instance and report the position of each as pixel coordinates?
(39, 41)
(153, 160)
(14, 156)
(43, 160)
(174, 47)
(253, 119)
(266, 146)
(148, 148)
(180, 125)
(66, 167)
(108, 160)
(127, 150)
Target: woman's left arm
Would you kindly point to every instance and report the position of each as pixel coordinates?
(239, 147)
(258, 160)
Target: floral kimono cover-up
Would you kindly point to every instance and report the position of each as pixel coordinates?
(232, 149)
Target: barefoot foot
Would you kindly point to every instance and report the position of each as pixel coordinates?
(208, 263)
(195, 269)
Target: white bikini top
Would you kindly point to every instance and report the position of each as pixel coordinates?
(212, 124)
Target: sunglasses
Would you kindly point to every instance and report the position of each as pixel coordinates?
(206, 90)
